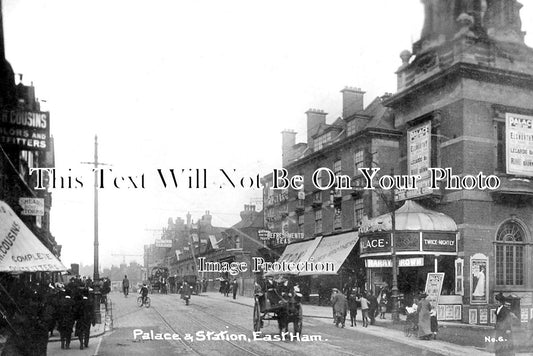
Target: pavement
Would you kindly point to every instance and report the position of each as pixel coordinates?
(453, 338)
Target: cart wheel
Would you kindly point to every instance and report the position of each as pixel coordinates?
(257, 317)
(298, 321)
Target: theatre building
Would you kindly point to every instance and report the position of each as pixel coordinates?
(464, 102)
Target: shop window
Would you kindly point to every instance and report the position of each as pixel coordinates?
(500, 147)
(359, 211)
(510, 242)
(301, 220)
(318, 221)
(337, 220)
(359, 161)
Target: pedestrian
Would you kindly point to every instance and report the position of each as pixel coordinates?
(424, 323)
(226, 288)
(434, 323)
(84, 318)
(352, 306)
(185, 292)
(66, 317)
(125, 286)
(333, 292)
(234, 287)
(504, 332)
(364, 310)
(383, 306)
(340, 306)
(411, 318)
(373, 307)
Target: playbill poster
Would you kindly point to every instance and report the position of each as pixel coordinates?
(479, 279)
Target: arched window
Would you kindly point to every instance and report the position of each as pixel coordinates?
(510, 243)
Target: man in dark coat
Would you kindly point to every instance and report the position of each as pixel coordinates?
(352, 306)
(340, 305)
(66, 317)
(234, 288)
(126, 286)
(185, 291)
(373, 307)
(504, 333)
(84, 318)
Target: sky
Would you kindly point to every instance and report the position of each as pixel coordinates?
(204, 84)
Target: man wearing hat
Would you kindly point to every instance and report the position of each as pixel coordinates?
(340, 305)
(424, 318)
(504, 334)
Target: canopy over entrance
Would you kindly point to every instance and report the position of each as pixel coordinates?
(20, 249)
(410, 217)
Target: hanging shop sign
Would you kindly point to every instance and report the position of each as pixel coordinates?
(519, 144)
(387, 263)
(26, 130)
(479, 272)
(163, 243)
(32, 206)
(434, 288)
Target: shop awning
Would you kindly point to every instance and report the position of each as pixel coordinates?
(297, 252)
(20, 249)
(334, 249)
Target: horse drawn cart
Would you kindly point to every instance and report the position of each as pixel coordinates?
(278, 300)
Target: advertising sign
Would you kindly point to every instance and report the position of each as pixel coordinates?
(375, 243)
(26, 130)
(519, 144)
(433, 288)
(32, 206)
(402, 262)
(20, 249)
(483, 316)
(418, 159)
(478, 279)
(163, 243)
(439, 242)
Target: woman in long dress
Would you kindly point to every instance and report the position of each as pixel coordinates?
(424, 323)
(479, 290)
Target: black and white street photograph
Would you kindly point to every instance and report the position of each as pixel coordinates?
(236, 177)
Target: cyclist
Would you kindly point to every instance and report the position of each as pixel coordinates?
(144, 293)
(125, 286)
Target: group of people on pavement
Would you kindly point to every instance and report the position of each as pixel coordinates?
(341, 304)
(227, 287)
(32, 310)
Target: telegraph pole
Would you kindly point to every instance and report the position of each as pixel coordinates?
(96, 274)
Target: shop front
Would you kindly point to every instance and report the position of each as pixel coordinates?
(425, 243)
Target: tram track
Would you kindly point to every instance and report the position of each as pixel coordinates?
(276, 343)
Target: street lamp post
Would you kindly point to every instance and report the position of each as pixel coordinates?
(395, 311)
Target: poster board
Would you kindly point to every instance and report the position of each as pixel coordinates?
(434, 288)
(479, 279)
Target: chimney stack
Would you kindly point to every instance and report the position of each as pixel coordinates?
(288, 140)
(315, 118)
(352, 101)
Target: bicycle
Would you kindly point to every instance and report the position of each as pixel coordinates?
(146, 303)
